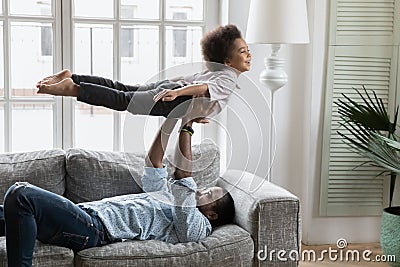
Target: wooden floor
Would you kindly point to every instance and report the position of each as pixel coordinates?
(374, 247)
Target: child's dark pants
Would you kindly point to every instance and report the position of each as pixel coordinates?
(137, 99)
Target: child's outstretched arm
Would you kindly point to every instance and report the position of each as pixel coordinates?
(194, 90)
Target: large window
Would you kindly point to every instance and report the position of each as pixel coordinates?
(127, 40)
(29, 121)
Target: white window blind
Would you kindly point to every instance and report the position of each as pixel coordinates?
(363, 51)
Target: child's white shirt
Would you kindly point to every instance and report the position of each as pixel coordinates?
(221, 84)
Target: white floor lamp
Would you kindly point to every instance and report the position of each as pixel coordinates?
(276, 22)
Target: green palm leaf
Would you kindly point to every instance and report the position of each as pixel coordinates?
(364, 123)
(382, 153)
(371, 114)
(385, 153)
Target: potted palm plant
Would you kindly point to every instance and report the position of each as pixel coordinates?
(371, 134)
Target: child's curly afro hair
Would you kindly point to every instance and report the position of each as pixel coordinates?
(217, 44)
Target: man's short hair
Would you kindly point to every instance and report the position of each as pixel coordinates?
(225, 208)
(217, 44)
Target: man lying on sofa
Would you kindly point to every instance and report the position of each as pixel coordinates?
(170, 210)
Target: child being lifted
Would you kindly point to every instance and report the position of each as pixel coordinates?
(227, 56)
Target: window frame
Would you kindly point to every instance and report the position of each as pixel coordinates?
(7, 101)
(209, 21)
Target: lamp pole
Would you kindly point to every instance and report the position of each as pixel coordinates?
(273, 77)
(276, 22)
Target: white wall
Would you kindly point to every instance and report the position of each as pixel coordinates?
(298, 115)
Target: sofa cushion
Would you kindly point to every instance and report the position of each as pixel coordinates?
(45, 169)
(43, 255)
(226, 246)
(94, 175)
(206, 164)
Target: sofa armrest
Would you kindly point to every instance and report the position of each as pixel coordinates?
(269, 213)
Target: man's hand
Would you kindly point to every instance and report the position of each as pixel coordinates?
(201, 120)
(165, 95)
(188, 119)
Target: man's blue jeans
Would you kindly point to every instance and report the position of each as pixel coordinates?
(31, 213)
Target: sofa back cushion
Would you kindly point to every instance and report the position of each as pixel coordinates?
(94, 175)
(206, 164)
(45, 169)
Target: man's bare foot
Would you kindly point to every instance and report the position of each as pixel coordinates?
(66, 87)
(55, 78)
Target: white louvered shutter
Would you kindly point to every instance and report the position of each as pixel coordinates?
(364, 22)
(362, 51)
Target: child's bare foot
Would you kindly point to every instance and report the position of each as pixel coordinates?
(55, 78)
(66, 87)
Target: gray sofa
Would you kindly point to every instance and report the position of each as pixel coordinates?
(267, 216)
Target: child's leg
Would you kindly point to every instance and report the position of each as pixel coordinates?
(142, 103)
(99, 95)
(137, 102)
(33, 213)
(104, 82)
(58, 77)
(89, 93)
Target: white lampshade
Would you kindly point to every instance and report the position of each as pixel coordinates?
(277, 22)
